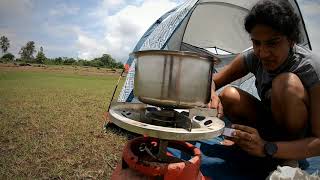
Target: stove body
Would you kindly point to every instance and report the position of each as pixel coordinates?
(147, 157)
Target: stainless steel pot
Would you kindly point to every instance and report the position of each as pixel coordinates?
(172, 79)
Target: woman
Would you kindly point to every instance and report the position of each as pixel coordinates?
(285, 124)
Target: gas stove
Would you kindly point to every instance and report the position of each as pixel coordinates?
(166, 123)
(163, 128)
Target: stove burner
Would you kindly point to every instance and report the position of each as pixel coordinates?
(200, 118)
(167, 118)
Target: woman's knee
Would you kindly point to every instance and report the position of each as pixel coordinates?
(288, 85)
(229, 96)
(289, 102)
(239, 106)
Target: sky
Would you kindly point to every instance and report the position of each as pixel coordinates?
(87, 29)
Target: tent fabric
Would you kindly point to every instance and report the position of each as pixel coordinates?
(162, 33)
(209, 26)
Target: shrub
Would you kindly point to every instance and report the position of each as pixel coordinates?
(8, 57)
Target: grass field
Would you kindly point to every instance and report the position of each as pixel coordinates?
(51, 123)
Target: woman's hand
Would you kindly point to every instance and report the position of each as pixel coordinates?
(215, 103)
(248, 139)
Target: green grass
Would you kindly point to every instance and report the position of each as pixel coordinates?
(52, 126)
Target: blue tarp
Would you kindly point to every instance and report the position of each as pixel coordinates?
(230, 162)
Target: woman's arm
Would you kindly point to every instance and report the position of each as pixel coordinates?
(233, 71)
(249, 139)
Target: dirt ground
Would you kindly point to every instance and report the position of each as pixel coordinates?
(61, 69)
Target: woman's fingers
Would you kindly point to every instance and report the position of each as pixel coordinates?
(244, 128)
(242, 135)
(227, 142)
(214, 102)
(248, 139)
(220, 110)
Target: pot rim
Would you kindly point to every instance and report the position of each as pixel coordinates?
(171, 52)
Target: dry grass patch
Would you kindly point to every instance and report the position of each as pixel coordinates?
(52, 126)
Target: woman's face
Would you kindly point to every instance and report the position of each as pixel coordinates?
(271, 47)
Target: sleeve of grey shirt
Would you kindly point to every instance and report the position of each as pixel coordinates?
(308, 68)
(250, 60)
(315, 61)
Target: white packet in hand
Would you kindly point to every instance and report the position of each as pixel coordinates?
(228, 132)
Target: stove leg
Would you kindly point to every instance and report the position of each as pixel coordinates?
(124, 165)
(162, 154)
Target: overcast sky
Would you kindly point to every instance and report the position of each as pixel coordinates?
(87, 29)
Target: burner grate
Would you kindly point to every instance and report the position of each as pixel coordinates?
(167, 118)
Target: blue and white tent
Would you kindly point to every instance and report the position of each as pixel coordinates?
(205, 26)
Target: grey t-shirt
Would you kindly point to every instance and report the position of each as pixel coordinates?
(301, 62)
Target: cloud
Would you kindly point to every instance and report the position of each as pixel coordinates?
(124, 28)
(112, 3)
(16, 13)
(107, 7)
(17, 22)
(88, 47)
(66, 31)
(64, 9)
(15, 8)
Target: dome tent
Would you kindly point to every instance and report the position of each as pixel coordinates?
(212, 27)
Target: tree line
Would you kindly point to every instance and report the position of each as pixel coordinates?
(27, 56)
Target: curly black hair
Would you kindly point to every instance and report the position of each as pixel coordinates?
(277, 14)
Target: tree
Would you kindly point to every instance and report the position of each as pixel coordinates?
(4, 43)
(8, 57)
(69, 61)
(27, 51)
(41, 57)
(58, 61)
(119, 65)
(106, 59)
